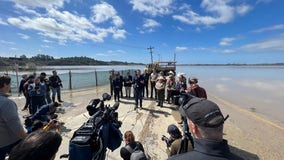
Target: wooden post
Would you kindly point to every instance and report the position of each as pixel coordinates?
(96, 77)
(70, 80)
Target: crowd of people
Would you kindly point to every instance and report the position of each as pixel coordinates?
(202, 118)
(164, 87)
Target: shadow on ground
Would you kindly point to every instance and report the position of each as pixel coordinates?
(64, 129)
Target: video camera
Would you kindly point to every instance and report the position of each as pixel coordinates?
(100, 132)
(168, 141)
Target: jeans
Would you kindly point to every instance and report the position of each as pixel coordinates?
(56, 91)
(138, 96)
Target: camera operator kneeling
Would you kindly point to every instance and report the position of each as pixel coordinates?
(174, 143)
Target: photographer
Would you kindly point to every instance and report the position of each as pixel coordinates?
(56, 84)
(130, 145)
(205, 120)
(44, 79)
(37, 93)
(175, 140)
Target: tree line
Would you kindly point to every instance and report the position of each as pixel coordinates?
(46, 60)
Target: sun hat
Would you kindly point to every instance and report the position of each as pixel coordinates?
(171, 72)
(160, 77)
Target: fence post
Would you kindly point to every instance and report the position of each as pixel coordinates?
(70, 80)
(96, 77)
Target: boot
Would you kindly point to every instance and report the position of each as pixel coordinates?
(140, 104)
(53, 99)
(59, 99)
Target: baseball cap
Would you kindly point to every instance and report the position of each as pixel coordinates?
(203, 112)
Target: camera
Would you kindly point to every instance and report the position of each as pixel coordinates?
(36, 87)
(99, 133)
(184, 98)
(168, 141)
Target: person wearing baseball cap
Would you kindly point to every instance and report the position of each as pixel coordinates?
(205, 121)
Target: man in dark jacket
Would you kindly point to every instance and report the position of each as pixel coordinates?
(205, 121)
(195, 90)
(138, 85)
(56, 84)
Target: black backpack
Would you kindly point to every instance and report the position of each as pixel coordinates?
(136, 153)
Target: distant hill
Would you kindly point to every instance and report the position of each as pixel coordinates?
(234, 64)
(46, 60)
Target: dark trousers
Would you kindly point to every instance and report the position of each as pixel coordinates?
(138, 96)
(36, 102)
(116, 94)
(145, 89)
(111, 89)
(28, 100)
(161, 96)
(153, 89)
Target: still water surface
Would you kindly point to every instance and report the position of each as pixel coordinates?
(257, 88)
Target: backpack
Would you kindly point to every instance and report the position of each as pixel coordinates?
(136, 153)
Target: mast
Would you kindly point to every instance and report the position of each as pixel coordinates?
(150, 48)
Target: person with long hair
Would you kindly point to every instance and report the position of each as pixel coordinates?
(130, 145)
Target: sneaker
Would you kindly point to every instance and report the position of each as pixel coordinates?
(60, 101)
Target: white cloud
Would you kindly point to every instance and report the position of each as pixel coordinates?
(6, 42)
(226, 41)
(45, 46)
(14, 49)
(104, 12)
(2, 22)
(227, 51)
(271, 45)
(180, 29)
(150, 23)
(24, 36)
(179, 49)
(41, 3)
(26, 9)
(78, 22)
(243, 9)
(263, 1)
(153, 7)
(271, 28)
(64, 25)
(149, 26)
(102, 54)
(47, 41)
(119, 33)
(218, 11)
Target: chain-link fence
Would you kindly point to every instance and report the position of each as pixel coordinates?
(74, 80)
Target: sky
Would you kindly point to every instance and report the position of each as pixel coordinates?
(192, 31)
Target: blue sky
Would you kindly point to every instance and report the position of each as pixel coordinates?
(197, 31)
